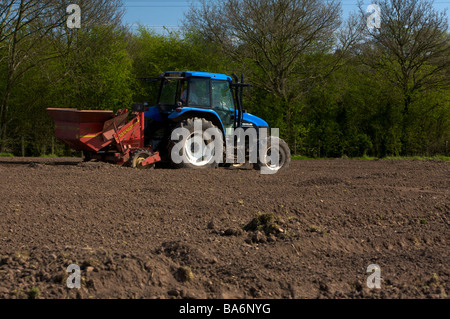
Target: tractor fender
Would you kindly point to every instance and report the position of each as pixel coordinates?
(153, 113)
(181, 114)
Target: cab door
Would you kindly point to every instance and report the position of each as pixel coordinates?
(222, 102)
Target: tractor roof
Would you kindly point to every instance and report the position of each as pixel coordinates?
(187, 74)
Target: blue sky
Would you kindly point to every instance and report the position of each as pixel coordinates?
(169, 13)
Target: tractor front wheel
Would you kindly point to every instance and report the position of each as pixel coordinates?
(275, 144)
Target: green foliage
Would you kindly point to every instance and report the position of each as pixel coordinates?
(300, 157)
(154, 53)
(99, 71)
(353, 112)
(6, 155)
(419, 158)
(34, 293)
(96, 73)
(265, 222)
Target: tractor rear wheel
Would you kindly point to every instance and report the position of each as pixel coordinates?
(194, 149)
(275, 144)
(138, 157)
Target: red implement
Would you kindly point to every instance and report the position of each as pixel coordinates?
(101, 134)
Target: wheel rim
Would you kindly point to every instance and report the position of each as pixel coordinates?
(197, 151)
(281, 160)
(139, 160)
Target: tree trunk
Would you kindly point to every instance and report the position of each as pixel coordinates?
(405, 124)
(288, 117)
(23, 146)
(4, 118)
(4, 108)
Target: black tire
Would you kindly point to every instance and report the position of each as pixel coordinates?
(187, 150)
(138, 157)
(242, 166)
(284, 155)
(86, 156)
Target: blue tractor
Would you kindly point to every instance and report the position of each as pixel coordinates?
(185, 97)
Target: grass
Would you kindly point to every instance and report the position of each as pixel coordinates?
(184, 274)
(420, 158)
(49, 155)
(300, 157)
(34, 293)
(440, 158)
(12, 155)
(265, 222)
(6, 155)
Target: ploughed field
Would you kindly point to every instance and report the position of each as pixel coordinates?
(308, 232)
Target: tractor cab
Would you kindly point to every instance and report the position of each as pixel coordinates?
(217, 96)
(199, 91)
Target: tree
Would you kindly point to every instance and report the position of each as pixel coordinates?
(411, 49)
(154, 53)
(281, 42)
(97, 71)
(31, 33)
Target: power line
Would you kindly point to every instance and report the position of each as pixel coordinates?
(155, 26)
(154, 6)
(189, 5)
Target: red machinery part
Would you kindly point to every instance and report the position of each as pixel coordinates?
(81, 130)
(97, 131)
(151, 159)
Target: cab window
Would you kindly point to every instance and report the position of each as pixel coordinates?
(222, 100)
(169, 92)
(199, 92)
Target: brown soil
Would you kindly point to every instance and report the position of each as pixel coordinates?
(167, 233)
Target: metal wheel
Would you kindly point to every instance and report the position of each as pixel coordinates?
(284, 155)
(139, 156)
